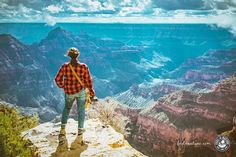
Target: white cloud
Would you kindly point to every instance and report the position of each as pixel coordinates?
(180, 15)
(134, 7)
(90, 6)
(54, 9)
(219, 12)
(84, 5)
(94, 5)
(77, 9)
(226, 21)
(108, 5)
(133, 19)
(50, 20)
(129, 10)
(19, 13)
(126, 3)
(23, 9)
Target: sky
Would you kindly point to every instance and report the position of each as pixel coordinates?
(220, 12)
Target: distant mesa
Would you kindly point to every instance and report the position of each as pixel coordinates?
(58, 32)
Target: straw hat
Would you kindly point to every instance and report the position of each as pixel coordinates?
(73, 52)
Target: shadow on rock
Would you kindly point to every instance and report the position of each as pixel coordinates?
(77, 147)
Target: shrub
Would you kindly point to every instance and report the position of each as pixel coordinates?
(105, 111)
(12, 123)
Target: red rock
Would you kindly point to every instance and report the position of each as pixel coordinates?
(189, 116)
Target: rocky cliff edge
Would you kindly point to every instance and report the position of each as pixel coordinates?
(102, 140)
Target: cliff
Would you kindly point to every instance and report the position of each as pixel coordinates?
(184, 115)
(28, 70)
(210, 67)
(102, 140)
(194, 75)
(24, 79)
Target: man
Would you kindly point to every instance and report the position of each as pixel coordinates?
(74, 88)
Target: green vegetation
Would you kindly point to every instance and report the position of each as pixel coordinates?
(12, 123)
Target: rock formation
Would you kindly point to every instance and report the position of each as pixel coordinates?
(210, 67)
(183, 116)
(24, 80)
(29, 70)
(195, 75)
(102, 140)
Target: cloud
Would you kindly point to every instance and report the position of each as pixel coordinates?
(135, 7)
(77, 9)
(219, 4)
(219, 12)
(54, 9)
(194, 4)
(90, 6)
(178, 4)
(18, 13)
(50, 20)
(226, 21)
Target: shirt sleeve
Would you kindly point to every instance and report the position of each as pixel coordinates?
(59, 77)
(89, 82)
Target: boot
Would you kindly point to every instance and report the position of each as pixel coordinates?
(79, 140)
(81, 131)
(62, 132)
(63, 144)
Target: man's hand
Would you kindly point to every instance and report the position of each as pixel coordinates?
(94, 98)
(90, 100)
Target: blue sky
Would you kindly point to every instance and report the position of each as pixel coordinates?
(220, 12)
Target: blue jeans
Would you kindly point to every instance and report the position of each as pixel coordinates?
(69, 100)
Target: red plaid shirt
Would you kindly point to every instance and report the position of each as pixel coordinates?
(65, 78)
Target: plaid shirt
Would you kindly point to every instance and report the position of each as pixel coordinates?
(65, 78)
